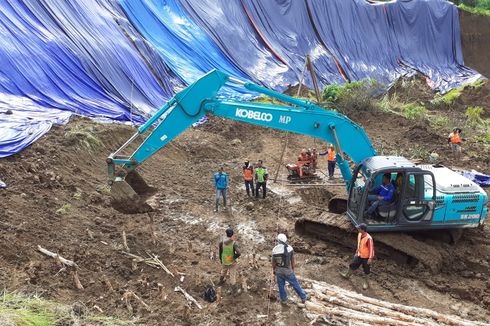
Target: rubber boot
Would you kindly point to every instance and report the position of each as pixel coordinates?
(346, 274)
(365, 283)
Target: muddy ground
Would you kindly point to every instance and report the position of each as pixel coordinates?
(57, 198)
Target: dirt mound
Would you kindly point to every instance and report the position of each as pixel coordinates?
(411, 89)
(476, 96)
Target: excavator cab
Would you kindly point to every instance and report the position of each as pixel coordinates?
(411, 205)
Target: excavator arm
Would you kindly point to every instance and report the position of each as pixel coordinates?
(200, 99)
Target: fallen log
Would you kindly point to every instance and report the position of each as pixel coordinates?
(348, 306)
(58, 257)
(187, 296)
(152, 261)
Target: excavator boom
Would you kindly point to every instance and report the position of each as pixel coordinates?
(201, 98)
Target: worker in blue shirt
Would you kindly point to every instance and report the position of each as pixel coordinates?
(221, 183)
(383, 194)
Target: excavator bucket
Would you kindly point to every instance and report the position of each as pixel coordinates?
(132, 195)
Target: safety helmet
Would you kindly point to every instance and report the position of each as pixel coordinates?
(281, 237)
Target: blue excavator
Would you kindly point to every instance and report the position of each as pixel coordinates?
(428, 197)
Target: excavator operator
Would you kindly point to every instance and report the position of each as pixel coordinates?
(383, 194)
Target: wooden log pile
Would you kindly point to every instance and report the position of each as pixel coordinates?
(332, 305)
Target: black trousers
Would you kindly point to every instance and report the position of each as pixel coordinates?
(331, 168)
(357, 262)
(249, 184)
(259, 185)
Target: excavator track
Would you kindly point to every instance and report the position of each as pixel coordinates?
(401, 247)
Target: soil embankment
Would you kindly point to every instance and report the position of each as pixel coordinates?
(475, 39)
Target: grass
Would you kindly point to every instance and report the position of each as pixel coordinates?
(455, 93)
(473, 115)
(83, 136)
(413, 111)
(337, 92)
(484, 138)
(448, 98)
(475, 10)
(64, 209)
(441, 122)
(18, 309)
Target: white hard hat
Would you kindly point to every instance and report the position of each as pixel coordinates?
(282, 237)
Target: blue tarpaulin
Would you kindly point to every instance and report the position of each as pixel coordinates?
(480, 179)
(59, 58)
(122, 59)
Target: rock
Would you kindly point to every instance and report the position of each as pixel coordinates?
(249, 206)
(36, 179)
(236, 142)
(466, 274)
(23, 195)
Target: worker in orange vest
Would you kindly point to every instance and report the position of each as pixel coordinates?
(364, 255)
(303, 159)
(454, 140)
(330, 159)
(248, 177)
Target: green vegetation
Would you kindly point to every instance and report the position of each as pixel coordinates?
(64, 209)
(448, 98)
(475, 10)
(413, 111)
(23, 310)
(473, 115)
(441, 122)
(484, 138)
(337, 92)
(84, 136)
(352, 97)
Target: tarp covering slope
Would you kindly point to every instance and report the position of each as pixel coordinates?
(122, 59)
(59, 58)
(227, 24)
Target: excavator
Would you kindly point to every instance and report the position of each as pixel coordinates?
(428, 197)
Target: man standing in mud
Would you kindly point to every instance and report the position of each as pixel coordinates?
(229, 251)
(261, 176)
(364, 255)
(454, 139)
(248, 177)
(221, 183)
(283, 269)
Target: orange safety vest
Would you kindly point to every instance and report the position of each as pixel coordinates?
(331, 155)
(365, 246)
(455, 139)
(248, 174)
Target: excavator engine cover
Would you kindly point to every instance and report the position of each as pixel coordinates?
(132, 195)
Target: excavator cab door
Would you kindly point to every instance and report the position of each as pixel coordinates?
(418, 198)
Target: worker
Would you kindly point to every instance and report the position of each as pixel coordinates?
(283, 269)
(454, 140)
(330, 152)
(229, 251)
(383, 194)
(261, 176)
(364, 255)
(398, 182)
(303, 159)
(314, 158)
(248, 177)
(221, 183)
